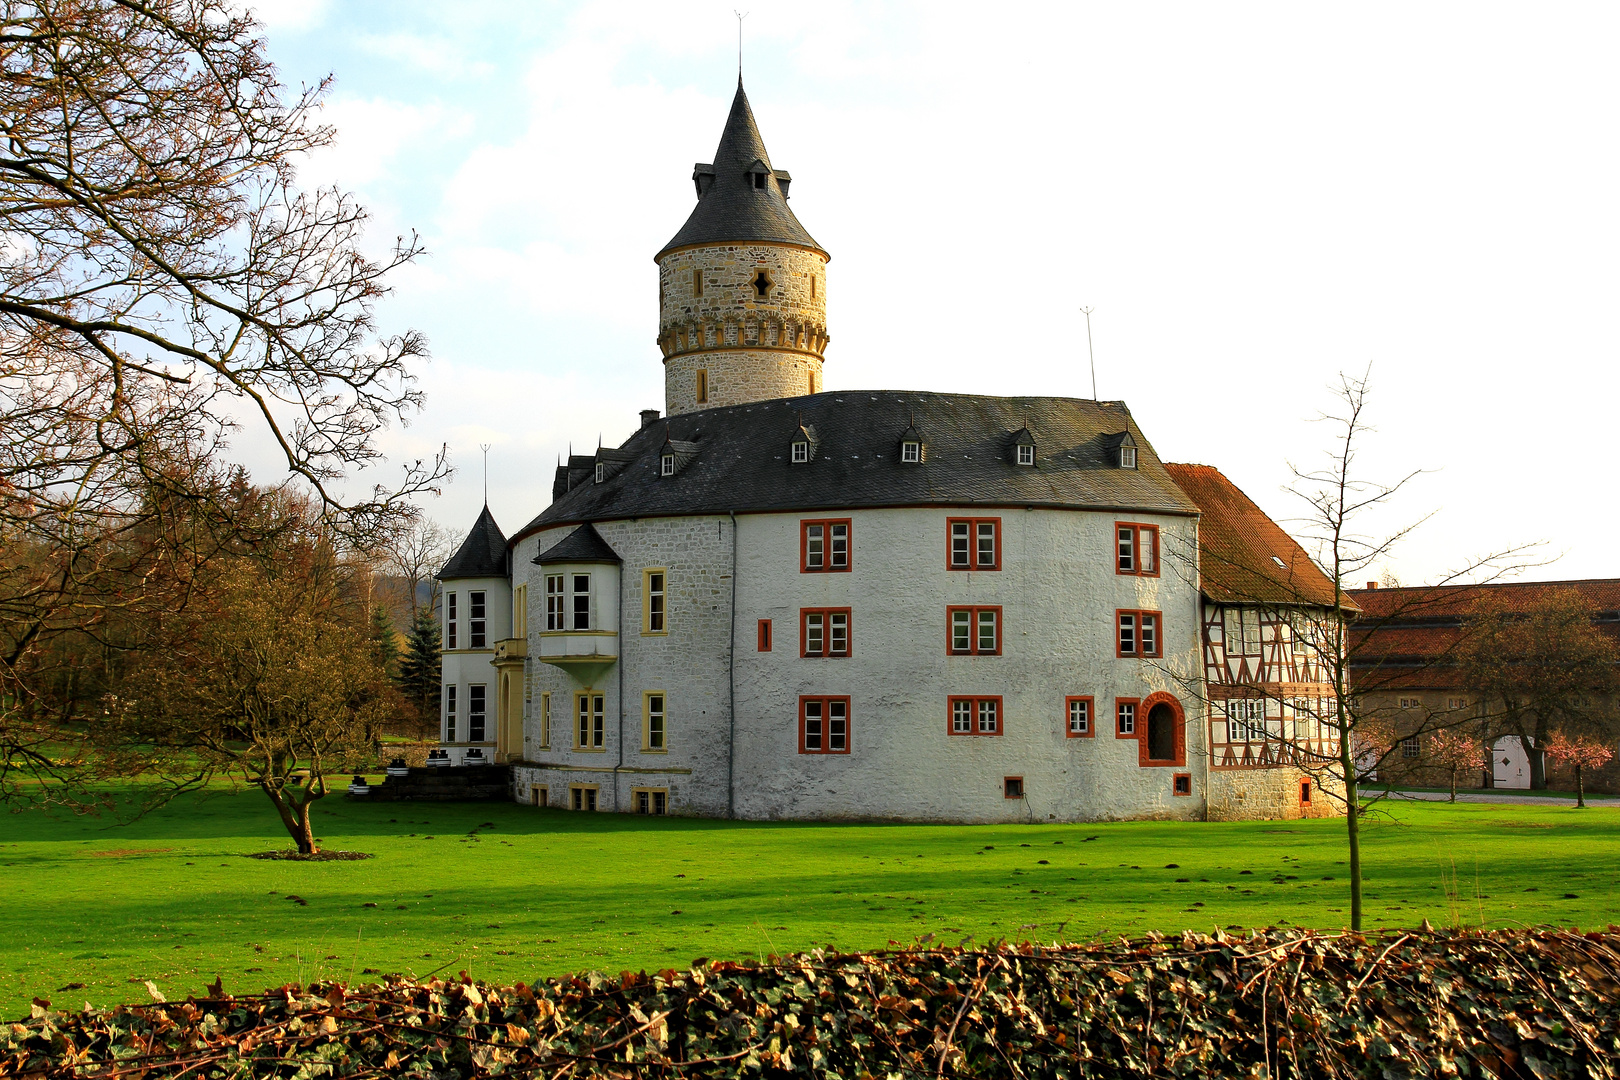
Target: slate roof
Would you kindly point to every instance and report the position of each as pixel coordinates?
(482, 554)
(1244, 556)
(743, 461)
(732, 209)
(583, 545)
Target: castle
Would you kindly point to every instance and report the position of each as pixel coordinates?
(777, 602)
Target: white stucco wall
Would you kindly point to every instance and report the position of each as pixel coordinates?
(464, 667)
(1058, 592)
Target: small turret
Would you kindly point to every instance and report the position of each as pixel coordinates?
(742, 286)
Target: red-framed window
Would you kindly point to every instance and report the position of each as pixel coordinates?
(764, 635)
(1012, 787)
(1079, 717)
(973, 631)
(824, 725)
(973, 543)
(1161, 732)
(1125, 717)
(824, 546)
(1304, 793)
(825, 632)
(1138, 633)
(1181, 784)
(1136, 549)
(975, 716)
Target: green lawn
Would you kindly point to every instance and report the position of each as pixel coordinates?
(509, 892)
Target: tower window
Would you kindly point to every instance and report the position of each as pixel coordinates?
(762, 284)
(759, 181)
(812, 286)
(697, 281)
(702, 387)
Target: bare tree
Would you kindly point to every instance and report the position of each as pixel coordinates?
(1321, 718)
(266, 679)
(163, 278)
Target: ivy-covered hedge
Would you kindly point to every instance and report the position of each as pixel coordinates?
(1530, 1003)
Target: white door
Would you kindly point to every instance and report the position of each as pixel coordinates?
(1511, 764)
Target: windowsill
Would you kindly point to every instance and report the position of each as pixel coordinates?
(577, 633)
(590, 749)
(649, 633)
(645, 750)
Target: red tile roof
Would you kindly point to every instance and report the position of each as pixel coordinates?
(1454, 601)
(1245, 557)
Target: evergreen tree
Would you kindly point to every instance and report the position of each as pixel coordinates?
(384, 641)
(418, 676)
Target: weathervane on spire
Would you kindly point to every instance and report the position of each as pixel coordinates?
(485, 448)
(741, 15)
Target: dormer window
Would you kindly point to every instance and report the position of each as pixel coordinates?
(1026, 454)
(1127, 457)
(666, 465)
(801, 451)
(759, 181)
(911, 452)
(601, 472)
(1023, 447)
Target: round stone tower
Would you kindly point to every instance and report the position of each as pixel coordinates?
(742, 288)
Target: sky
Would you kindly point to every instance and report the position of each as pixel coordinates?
(1252, 198)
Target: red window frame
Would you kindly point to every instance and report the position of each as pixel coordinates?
(826, 632)
(826, 703)
(1139, 532)
(1143, 708)
(1304, 793)
(1181, 784)
(973, 630)
(764, 635)
(973, 552)
(1138, 617)
(1007, 783)
(1119, 717)
(975, 703)
(826, 566)
(1068, 716)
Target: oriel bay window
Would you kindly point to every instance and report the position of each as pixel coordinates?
(824, 546)
(1137, 633)
(556, 603)
(591, 731)
(450, 712)
(581, 602)
(450, 621)
(824, 632)
(975, 543)
(824, 725)
(974, 631)
(476, 622)
(1138, 549)
(975, 715)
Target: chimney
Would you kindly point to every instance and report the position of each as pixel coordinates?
(1372, 584)
(648, 416)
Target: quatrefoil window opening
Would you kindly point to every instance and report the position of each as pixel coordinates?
(762, 284)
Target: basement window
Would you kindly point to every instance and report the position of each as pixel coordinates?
(1012, 787)
(1183, 784)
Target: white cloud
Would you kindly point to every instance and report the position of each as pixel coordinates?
(290, 15)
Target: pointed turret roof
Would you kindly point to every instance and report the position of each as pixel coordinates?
(731, 208)
(482, 554)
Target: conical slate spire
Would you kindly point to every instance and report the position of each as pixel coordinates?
(482, 554)
(734, 204)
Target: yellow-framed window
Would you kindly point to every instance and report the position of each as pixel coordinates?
(583, 796)
(655, 600)
(538, 795)
(590, 730)
(520, 611)
(654, 722)
(545, 720)
(652, 801)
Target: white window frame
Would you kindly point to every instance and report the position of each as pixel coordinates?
(1124, 718)
(556, 602)
(911, 452)
(1026, 454)
(1080, 717)
(477, 711)
(477, 619)
(666, 465)
(1127, 457)
(801, 451)
(450, 713)
(574, 594)
(450, 621)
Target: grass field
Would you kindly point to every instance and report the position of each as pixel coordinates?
(509, 892)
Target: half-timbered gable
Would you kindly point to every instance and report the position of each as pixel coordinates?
(1266, 616)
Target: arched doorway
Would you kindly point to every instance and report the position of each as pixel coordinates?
(1161, 733)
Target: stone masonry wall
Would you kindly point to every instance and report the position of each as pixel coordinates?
(1270, 795)
(753, 348)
